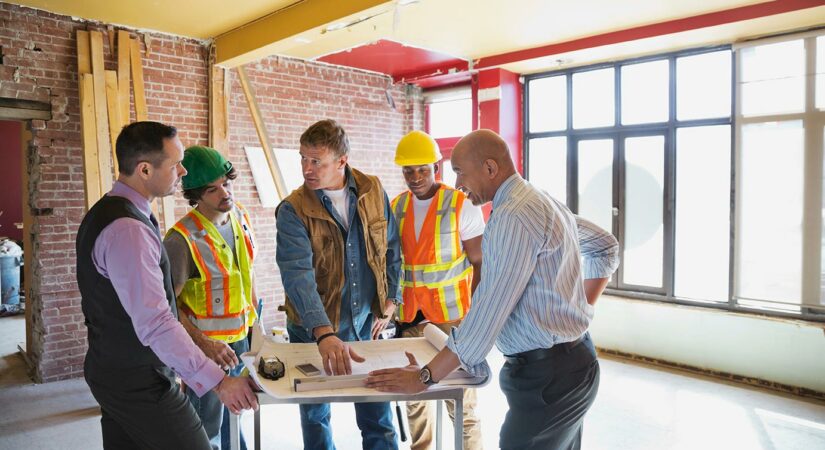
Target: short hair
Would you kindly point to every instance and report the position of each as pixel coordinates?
(327, 133)
(194, 195)
(142, 141)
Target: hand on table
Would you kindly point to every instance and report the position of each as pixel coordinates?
(403, 380)
(337, 355)
(237, 393)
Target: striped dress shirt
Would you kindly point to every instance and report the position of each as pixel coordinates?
(536, 255)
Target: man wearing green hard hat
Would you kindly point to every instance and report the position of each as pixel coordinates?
(211, 251)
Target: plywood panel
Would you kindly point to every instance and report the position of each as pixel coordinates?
(141, 112)
(91, 170)
(124, 46)
(113, 105)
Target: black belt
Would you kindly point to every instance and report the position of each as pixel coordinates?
(544, 353)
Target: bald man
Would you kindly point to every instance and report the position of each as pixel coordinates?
(544, 268)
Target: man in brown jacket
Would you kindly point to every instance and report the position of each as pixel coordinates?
(339, 256)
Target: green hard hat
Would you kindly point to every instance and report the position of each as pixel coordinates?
(203, 166)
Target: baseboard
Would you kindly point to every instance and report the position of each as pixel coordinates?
(741, 379)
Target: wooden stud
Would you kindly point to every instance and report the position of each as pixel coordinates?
(110, 33)
(217, 110)
(101, 110)
(260, 127)
(113, 104)
(124, 47)
(84, 58)
(91, 170)
(141, 112)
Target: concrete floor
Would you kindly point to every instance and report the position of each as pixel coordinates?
(639, 407)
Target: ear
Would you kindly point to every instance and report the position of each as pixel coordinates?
(343, 161)
(436, 168)
(491, 168)
(143, 169)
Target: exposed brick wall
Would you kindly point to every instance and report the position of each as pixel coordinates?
(292, 95)
(39, 63)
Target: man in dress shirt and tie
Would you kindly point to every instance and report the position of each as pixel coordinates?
(136, 344)
(543, 270)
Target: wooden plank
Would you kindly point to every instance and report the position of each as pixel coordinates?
(101, 111)
(115, 122)
(124, 46)
(217, 110)
(110, 33)
(141, 112)
(260, 127)
(84, 58)
(91, 170)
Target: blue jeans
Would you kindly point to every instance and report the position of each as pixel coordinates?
(373, 419)
(213, 414)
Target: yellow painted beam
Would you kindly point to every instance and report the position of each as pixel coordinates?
(254, 40)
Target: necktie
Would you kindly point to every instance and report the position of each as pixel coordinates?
(155, 223)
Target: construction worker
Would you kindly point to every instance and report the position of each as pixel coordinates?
(337, 248)
(211, 251)
(441, 265)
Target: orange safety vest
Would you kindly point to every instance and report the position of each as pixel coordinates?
(437, 276)
(219, 303)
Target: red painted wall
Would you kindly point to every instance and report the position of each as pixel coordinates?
(11, 181)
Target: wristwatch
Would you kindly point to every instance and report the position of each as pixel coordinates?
(426, 377)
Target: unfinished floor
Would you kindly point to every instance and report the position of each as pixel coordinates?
(639, 407)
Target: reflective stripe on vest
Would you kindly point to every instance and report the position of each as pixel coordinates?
(219, 303)
(437, 276)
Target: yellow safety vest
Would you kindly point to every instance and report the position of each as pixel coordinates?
(437, 276)
(219, 303)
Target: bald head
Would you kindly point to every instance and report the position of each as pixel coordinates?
(482, 162)
(482, 145)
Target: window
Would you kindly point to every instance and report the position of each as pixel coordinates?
(449, 117)
(779, 189)
(643, 149)
(713, 185)
(450, 112)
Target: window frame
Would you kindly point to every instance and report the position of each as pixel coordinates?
(619, 132)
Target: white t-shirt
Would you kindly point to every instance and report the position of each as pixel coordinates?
(470, 220)
(339, 202)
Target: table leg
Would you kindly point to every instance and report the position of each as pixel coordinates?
(234, 431)
(438, 412)
(458, 424)
(258, 428)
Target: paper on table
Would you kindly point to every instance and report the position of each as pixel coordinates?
(379, 354)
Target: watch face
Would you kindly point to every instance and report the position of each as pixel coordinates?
(425, 375)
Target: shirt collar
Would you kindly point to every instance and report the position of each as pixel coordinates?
(124, 190)
(507, 187)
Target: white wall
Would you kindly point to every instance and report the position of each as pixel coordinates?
(780, 350)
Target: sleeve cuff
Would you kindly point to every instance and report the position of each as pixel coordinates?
(314, 319)
(597, 268)
(472, 370)
(206, 379)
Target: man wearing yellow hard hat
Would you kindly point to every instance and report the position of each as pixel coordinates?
(211, 251)
(441, 265)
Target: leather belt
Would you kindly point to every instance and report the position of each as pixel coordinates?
(544, 353)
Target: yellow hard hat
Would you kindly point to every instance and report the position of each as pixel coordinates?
(417, 148)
